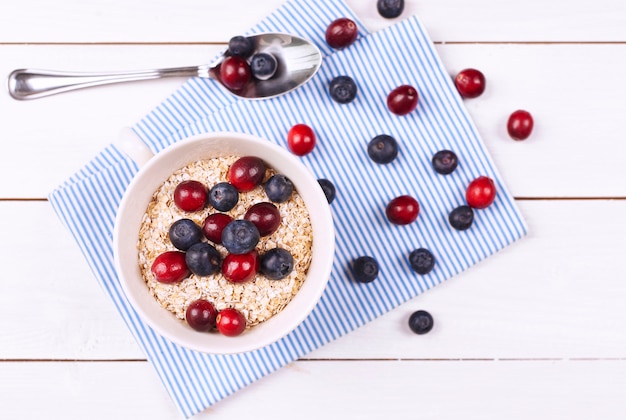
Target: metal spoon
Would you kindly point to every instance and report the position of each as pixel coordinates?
(298, 60)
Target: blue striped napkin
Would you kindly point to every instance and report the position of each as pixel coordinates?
(378, 62)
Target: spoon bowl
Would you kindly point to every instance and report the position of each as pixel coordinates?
(298, 61)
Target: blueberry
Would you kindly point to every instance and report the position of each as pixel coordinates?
(183, 233)
(263, 65)
(365, 269)
(445, 162)
(382, 149)
(422, 260)
(420, 322)
(461, 218)
(390, 8)
(329, 189)
(342, 89)
(223, 196)
(278, 188)
(241, 46)
(203, 259)
(240, 236)
(277, 263)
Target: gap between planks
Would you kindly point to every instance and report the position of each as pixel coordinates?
(516, 198)
(222, 43)
(340, 360)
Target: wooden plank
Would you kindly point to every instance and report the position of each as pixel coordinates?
(558, 293)
(32, 21)
(572, 152)
(313, 390)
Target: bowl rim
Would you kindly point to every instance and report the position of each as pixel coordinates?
(164, 322)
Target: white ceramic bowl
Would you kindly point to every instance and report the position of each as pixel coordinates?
(134, 204)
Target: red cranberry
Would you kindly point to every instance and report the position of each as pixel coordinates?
(265, 217)
(402, 210)
(213, 226)
(402, 100)
(200, 315)
(470, 83)
(235, 72)
(520, 125)
(190, 196)
(170, 267)
(230, 322)
(240, 268)
(480, 192)
(341, 33)
(301, 139)
(246, 173)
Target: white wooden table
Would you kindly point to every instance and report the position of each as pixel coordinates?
(536, 331)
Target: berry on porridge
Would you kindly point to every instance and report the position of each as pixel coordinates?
(214, 225)
(190, 254)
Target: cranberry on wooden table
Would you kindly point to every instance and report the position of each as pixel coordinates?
(341, 32)
(402, 100)
(402, 210)
(480, 193)
(470, 83)
(520, 125)
(301, 139)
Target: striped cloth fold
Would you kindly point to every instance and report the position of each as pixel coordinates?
(378, 62)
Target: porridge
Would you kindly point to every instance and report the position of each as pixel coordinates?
(258, 293)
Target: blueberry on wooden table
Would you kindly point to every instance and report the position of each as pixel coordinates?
(382, 149)
(444, 162)
(390, 8)
(421, 322)
(328, 188)
(365, 269)
(342, 89)
(461, 218)
(422, 261)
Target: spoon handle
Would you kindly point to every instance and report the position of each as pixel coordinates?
(32, 84)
